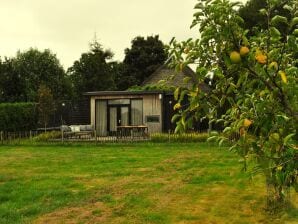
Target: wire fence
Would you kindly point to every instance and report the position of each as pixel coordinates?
(57, 136)
(17, 137)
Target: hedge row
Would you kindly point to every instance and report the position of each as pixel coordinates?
(18, 116)
(185, 137)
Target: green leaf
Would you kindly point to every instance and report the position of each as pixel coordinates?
(294, 21)
(287, 7)
(233, 148)
(182, 94)
(212, 138)
(288, 137)
(263, 12)
(198, 14)
(278, 19)
(227, 129)
(172, 40)
(214, 133)
(199, 6)
(274, 32)
(194, 23)
(221, 142)
(176, 93)
(175, 118)
(186, 79)
(295, 32)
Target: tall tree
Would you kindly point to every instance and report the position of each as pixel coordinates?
(12, 88)
(141, 60)
(255, 18)
(92, 72)
(262, 98)
(46, 105)
(22, 75)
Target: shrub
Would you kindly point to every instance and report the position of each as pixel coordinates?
(18, 116)
(184, 137)
(47, 136)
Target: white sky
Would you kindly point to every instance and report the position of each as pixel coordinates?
(67, 26)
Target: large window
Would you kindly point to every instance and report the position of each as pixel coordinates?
(136, 111)
(101, 117)
(112, 113)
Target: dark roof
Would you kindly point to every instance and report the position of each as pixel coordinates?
(171, 77)
(121, 93)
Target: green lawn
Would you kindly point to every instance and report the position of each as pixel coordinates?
(140, 183)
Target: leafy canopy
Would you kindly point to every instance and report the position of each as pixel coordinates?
(254, 86)
(21, 76)
(92, 72)
(141, 60)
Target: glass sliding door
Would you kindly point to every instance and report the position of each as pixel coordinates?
(118, 116)
(122, 112)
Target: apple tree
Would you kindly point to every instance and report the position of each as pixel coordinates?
(253, 88)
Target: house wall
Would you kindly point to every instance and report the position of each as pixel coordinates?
(152, 105)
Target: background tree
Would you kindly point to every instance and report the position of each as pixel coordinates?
(141, 60)
(46, 105)
(12, 88)
(256, 76)
(255, 20)
(122, 78)
(34, 67)
(92, 72)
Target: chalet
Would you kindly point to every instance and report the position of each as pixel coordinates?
(153, 109)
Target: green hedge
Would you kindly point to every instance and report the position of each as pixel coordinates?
(46, 136)
(185, 137)
(18, 116)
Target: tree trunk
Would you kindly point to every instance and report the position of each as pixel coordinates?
(277, 195)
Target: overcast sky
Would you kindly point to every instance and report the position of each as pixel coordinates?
(67, 26)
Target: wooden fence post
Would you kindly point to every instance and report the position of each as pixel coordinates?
(1, 135)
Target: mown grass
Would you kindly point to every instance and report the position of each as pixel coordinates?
(137, 183)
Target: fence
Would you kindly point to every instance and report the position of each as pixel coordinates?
(61, 137)
(56, 136)
(16, 137)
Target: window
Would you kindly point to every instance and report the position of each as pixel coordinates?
(119, 101)
(101, 117)
(152, 119)
(136, 111)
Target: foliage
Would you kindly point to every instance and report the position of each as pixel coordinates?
(12, 87)
(18, 116)
(92, 72)
(31, 68)
(152, 87)
(182, 137)
(255, 20)
(259, 90)
(141, 60)
(46, 105)
(43, 137)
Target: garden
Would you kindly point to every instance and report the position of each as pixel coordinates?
(131, 183)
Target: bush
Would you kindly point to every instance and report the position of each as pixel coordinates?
(18, 116)
(184, 137)
(43, 137)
